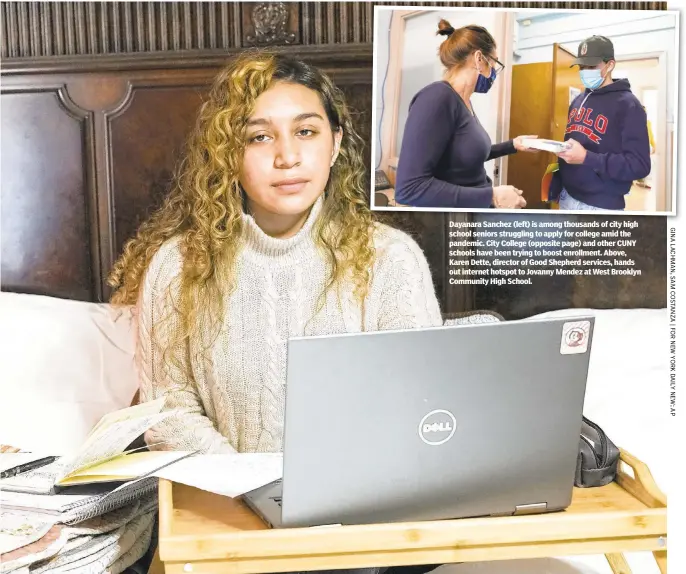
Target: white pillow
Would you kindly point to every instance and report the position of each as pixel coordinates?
(63, 365)
(627, 388)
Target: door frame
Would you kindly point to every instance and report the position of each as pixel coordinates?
(505, 28)
(555, 47)
(389, 122)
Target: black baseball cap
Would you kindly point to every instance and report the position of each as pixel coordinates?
(593, 51)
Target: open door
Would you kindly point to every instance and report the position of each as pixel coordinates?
(566, 86)
(540, 99)
(530, 105)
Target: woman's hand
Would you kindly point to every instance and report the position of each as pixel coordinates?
(519, 145)
(508, 197)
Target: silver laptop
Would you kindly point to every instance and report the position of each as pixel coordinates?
(430, 424)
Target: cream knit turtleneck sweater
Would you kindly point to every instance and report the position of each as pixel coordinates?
(235, 400)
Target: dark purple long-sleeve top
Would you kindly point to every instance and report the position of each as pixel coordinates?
(443, 153)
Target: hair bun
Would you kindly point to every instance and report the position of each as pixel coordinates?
(444, 28)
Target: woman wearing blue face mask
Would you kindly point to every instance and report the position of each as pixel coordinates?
(444, 145)
(607, 132)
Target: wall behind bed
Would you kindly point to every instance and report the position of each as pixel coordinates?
(98, 99)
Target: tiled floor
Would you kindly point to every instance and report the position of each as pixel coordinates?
(640, 199)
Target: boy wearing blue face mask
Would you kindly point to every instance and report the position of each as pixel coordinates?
(608, 136)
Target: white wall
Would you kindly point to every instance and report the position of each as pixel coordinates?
(632, 32)
(642, 78)
(421, 65)
(381, 45)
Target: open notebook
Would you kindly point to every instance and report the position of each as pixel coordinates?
(102, 458)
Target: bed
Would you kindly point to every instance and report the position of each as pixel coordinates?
(72, 362)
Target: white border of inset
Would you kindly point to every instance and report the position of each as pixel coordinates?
(674, 69)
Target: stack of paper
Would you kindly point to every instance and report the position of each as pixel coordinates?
(108, 543)
(41, 494)
(86, 511)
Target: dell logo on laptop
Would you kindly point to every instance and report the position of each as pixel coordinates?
(437, 427)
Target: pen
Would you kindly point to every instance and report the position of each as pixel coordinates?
(27, 466)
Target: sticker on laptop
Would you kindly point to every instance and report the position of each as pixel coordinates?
(575, 337)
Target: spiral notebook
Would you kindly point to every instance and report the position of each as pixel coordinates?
(81, 503)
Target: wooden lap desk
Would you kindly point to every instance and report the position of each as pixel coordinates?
(204, 532)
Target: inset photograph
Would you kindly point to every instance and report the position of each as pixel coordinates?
(525, 109)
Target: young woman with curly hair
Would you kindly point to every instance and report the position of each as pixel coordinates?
(266, 234)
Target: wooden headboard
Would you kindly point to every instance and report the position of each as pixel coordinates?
(89, 145)
(96, 109)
